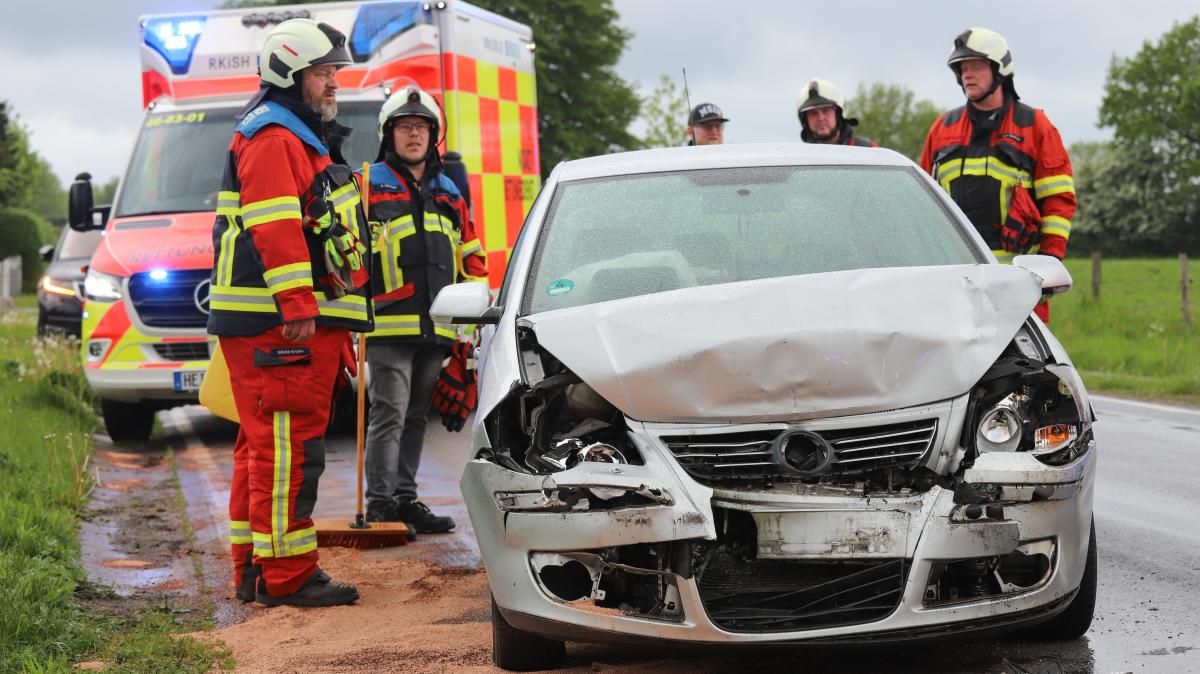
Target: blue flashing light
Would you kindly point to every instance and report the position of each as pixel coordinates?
(379, 22)
(175, 38)
(158, 275)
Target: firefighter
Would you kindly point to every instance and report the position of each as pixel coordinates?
(822, 112)
(1001, 160)
(706, 125)
(288, 285)
(425, 241)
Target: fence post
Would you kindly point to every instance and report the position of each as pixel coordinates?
(5, 290)
(1096, 275)
(1183, 289)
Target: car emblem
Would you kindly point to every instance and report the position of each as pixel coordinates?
(803, 453)
(202, 295)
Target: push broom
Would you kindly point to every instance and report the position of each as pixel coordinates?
(360, 533)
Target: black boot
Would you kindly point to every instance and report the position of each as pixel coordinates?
(418, 516)
(250, 575)
(382, 512)
(318, 591)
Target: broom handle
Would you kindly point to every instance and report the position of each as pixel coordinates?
(362, 358)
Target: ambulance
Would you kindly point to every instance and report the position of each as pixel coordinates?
(146, 291)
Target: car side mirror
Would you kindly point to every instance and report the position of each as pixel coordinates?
(82, 215)
(47, 252)
(1055, 277)
(465, 303)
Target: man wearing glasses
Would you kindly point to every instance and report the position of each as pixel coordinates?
(424, 240)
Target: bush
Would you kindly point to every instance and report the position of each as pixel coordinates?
(22, 232)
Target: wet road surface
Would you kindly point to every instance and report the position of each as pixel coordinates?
(1147, 519)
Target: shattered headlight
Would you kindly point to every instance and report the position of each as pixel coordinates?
(1025, 405)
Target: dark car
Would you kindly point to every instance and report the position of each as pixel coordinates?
(60, 304)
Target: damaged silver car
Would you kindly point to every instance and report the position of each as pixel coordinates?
(766, 394)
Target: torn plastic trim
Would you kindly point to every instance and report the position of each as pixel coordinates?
(582, 497)
(576, 577)
(1027, 567)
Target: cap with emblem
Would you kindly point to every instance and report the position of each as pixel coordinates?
(706, 112)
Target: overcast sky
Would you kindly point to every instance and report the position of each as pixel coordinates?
(71, 69)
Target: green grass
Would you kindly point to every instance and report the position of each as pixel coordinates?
(46, 421)
(1133, 341)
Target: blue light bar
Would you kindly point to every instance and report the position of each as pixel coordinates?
(158, 275)
(378, 22)
(175, 38)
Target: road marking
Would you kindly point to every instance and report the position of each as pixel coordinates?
(1151, 406)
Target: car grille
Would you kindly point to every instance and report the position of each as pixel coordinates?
(170, 302)
(779, 596)
(748, 456)
(182, 351)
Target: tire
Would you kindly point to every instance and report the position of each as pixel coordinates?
(127, 422)
(520, 651)
(1077, 618)
(343, 417)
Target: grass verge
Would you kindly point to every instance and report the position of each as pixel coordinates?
(47, 416)
(1133, 340)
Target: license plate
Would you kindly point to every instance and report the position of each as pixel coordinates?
(188, 380)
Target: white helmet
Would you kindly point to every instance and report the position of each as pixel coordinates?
(981, 43)
(297, 44)
(820, 94)
(411, 101)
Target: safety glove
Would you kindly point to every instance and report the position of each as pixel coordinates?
(345, 249)
(455, 394)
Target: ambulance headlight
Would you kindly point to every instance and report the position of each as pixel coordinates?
(101, 287)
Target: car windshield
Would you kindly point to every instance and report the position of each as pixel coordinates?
(179, 157)
(79, 245)
(612, 238)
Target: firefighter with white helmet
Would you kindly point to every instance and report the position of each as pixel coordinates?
(822, 112)
(426, 241)
(1002, 161)
(289, 284)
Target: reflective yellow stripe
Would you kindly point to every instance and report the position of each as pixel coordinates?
(981, 166)
(1056, 225)
(296, 275)
(239, 298)
(472, 248)
(239, 532)
(396, 325)
(445, 330)
(1003, 256)
(271, 210)
(353, 307)
(229, 204)
(281, 486)
(1051, 185)
(262, 544)
(299, 542)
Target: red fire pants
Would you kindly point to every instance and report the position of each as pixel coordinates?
(283, 392)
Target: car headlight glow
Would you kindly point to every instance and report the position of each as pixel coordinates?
(57, 287)
(102, 287)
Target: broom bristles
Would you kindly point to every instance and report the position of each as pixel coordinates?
(340, 534)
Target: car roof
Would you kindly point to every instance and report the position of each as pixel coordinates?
(739, 155)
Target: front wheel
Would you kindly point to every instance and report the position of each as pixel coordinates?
(127, 422)
(520, 651)
(1077, 618)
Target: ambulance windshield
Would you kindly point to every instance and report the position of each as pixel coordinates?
(180, 156)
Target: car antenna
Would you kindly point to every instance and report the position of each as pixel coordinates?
(688, 97)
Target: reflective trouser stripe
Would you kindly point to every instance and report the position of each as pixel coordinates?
(281, 487)
(295, 275)
(1056, 225)
(262, 545)
(1051, 185)
(270, 210)
(239, 532)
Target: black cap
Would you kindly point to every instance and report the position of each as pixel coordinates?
(706, 112)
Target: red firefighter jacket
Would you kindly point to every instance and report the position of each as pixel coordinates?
(985, 175)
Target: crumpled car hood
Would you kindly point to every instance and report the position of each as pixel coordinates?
(798, 347)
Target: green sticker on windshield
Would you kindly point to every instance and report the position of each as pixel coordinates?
(560, 286)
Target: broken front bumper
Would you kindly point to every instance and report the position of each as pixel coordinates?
(524, 524)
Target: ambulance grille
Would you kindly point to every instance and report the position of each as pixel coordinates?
(182, 351)
(748, 455)
(171, 302)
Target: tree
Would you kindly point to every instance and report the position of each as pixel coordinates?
(584, 107)
(665, 113)
(890, 115)
(1154, 98)
(26, 180)
(1126, 202)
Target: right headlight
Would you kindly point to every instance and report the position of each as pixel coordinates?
(102, 287)
(1041, 409)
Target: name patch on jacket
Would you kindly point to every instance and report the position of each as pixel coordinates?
(297, 355)
(1013, 137)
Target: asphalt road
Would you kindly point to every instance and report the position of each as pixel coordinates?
(1147, 518)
